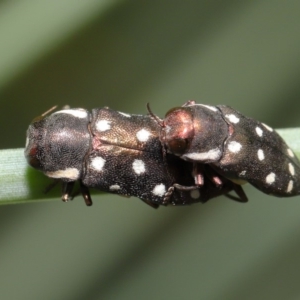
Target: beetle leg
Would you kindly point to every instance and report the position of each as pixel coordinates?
(197, 173)
(85, 194)
(185, 188)
(240, 192)
(168, 195)
(51, 186)
(67, 188)
(242, 197)
(213, 176)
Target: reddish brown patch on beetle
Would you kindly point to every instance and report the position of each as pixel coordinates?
(179, 124)
(178, 130)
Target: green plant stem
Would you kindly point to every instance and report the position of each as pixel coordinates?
(21, 184)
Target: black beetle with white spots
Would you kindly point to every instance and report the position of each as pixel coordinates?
(225, 145)
(114, 152)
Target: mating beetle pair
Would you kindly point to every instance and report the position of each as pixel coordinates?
(196, 153)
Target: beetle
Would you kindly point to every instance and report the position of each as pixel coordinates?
(232, 146)
(115, 152)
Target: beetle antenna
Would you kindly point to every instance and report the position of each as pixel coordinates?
(159, 121)
(48, 111)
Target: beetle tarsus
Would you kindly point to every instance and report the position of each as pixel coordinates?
(86, 194)
(242, 197)
(67, 188)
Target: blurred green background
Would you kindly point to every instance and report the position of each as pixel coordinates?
(124, 54)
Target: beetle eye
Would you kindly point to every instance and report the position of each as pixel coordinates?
(31, 154)
(178, 146)
(35, 163)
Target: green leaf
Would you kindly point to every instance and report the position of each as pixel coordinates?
(19, 182)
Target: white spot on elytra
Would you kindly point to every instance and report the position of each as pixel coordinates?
(260, 154)
(143, 135)
(270, 178)
(114, 187)
(243, 173)
(291, 169)
(70, 173)
(268, 127)
(195, 194)
(78, 112)
(159, 190)
(290, 186)
(211, 155)
(98, 163)
(290, 152)
(103, 125)
(234, 147)
(138, 166)
(209, 107)
(232, 118)
(259, 131)
(124, 114)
